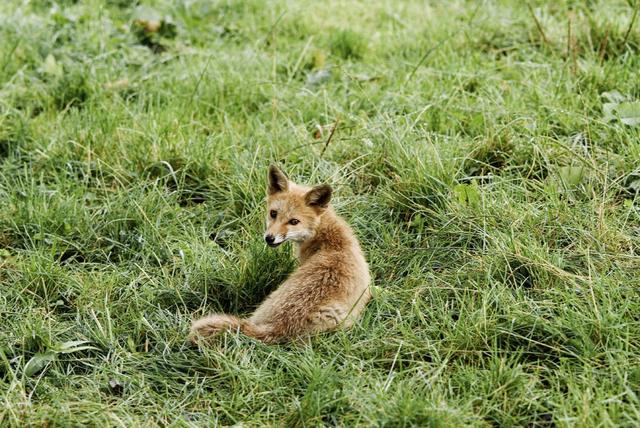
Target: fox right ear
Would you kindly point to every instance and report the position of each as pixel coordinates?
(278, 182)
(319, 196)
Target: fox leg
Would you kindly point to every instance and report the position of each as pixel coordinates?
(328, 318)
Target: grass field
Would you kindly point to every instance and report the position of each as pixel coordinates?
(487, 154)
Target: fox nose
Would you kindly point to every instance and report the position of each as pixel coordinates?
(269, 239)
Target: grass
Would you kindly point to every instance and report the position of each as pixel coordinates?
(496, 201)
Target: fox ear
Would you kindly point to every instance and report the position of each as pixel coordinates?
(278, 182)
(319, 196)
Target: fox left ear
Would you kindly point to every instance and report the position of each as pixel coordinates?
(278, 182)
(319, 196)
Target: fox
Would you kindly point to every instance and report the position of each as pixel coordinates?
(329, 289)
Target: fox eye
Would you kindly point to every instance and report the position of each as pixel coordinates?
(294, 221)
(273, 213)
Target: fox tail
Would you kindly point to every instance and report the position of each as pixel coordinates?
(215, 324)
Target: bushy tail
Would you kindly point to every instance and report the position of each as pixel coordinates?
(220, 323)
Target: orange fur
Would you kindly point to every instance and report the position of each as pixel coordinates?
(329, 289)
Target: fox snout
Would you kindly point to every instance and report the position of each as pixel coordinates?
(272, 241)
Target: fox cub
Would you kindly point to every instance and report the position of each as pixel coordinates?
(330, 287)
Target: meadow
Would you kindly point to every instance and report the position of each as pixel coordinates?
(487, 155)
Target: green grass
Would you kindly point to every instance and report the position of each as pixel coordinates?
(496, 201)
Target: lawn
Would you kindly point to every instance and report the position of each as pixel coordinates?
(487, 155)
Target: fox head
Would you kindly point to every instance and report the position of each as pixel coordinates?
(293, 211)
